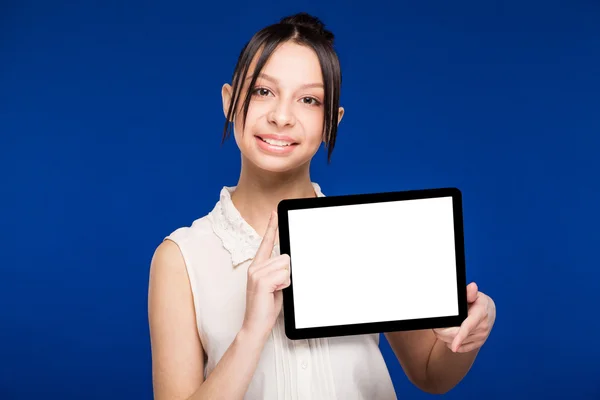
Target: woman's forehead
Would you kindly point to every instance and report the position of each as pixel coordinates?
(291, 64)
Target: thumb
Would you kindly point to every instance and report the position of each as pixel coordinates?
(462, 334)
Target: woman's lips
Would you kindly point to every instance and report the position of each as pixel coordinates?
(276, 144)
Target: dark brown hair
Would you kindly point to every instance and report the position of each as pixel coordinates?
(303, 29)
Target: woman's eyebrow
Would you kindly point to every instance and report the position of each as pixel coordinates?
(275, 81)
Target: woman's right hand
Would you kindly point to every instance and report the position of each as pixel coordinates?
(266, 277)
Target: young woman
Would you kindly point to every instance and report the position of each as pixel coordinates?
(215, 287)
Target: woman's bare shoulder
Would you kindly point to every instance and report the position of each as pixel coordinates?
(177, 354)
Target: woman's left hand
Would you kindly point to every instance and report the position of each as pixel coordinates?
(476, 328)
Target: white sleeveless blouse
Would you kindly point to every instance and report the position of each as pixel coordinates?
(217, 249)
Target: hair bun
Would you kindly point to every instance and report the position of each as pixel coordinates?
(310, 22)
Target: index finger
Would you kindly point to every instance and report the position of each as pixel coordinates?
(268, 241)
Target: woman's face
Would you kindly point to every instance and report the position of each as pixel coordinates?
(285, 121)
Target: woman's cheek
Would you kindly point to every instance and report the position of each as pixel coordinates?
(316, 130)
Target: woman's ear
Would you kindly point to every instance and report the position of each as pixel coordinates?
(340, 114)
(226, 96)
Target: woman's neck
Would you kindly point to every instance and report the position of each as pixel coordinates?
(258, 193)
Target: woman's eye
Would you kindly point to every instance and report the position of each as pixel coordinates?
(262, 91)
(311, 101)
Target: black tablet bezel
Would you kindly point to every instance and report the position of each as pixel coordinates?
(373, 327)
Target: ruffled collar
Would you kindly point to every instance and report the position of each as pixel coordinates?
(237, 236)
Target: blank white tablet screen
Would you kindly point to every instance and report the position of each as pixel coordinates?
(373, 262)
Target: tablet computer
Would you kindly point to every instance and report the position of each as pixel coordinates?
(371, 263)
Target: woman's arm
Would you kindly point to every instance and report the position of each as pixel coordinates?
(427, 362)
(177, 354)
(437, 360)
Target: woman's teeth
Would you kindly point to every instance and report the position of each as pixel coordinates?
(276, 142)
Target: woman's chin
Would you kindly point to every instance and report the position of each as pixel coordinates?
(277, 164)
(269, 164)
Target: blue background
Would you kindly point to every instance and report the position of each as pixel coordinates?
(110, 127)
